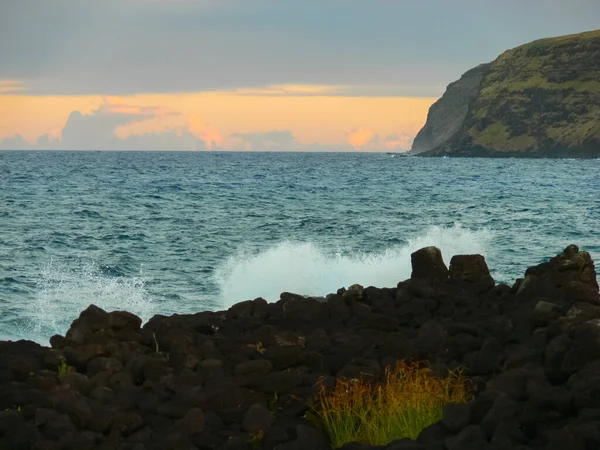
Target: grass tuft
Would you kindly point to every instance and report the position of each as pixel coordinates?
(272, 404)
(259, 347)
(409, 399)
(255, 440)
(64, 369)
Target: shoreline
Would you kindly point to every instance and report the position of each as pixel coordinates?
(213, 380)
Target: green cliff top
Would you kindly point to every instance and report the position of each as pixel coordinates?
(542, 98)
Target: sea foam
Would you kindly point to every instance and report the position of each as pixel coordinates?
(64, 291)
(305, 268)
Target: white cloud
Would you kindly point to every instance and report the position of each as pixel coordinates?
(96, 131)
(11, 87)
(279, 141)
(205, 132)
(15, 142)
(364, 139)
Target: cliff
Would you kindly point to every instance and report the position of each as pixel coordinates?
(541, 99)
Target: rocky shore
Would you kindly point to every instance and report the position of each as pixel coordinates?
(244, 378)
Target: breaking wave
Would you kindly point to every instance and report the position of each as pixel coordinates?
(308, 269)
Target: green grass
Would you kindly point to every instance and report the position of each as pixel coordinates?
(255, 440)
(272, 404)
(64, 369)
(409, 399)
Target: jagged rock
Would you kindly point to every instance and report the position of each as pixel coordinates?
(566, 279)
(306, 438)
(257, 366)
(511, 382)
(318, 340)
(544, 313)
(247, 376)
(77, 381)
(585, 386)
(338, 308)
(456, 416)
(101, 364)
(94, 320)
(503, 409)
(470, 438)
(354, 293)
(565, 438)
(297, 307)
(581, 313)
(428, 264)
(486, 360)
(193, 423)
(277, 435)
(257, 418)
(432, 340)
(473, 271)
(585, 348)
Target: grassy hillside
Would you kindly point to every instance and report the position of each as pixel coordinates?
(542, 98)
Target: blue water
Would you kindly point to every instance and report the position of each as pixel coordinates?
(181, 232)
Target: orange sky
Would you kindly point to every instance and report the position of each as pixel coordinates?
(311, 113)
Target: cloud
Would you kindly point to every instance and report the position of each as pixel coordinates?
(366, 140)
(11, 87)
(97, 131)
(170, 140)
(116, 105)
(141, 46)
(291, 90)
(277, 140)
(399, 141)
(118, 124)
(280, 141)
(359, 137)
(334, 90)
(206, 133)
(149, 46)
(15, 142)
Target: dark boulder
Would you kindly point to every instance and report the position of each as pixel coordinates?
(585, 386)
(245, 378)
(470, 438)
(257, 418)
(193, 423)
(428, 264)
(306, 438)
(456, 416)
(257, 366)
(471, 270)
(566, 279)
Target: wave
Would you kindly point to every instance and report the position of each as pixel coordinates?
(309, 269)
(64, 291)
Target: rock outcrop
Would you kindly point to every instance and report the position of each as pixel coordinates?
(244, 378)
(537, 100)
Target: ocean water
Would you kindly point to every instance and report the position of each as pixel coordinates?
(183, 232)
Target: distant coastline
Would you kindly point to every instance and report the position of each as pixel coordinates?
(539, 100)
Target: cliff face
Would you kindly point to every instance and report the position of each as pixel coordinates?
(538, 100)
(447, 115)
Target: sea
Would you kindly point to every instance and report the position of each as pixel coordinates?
(182, 232)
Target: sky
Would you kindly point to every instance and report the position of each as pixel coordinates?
(288, 75)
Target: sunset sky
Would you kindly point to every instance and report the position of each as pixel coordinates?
(248, 74)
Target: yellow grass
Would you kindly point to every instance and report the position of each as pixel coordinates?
(409, 399)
